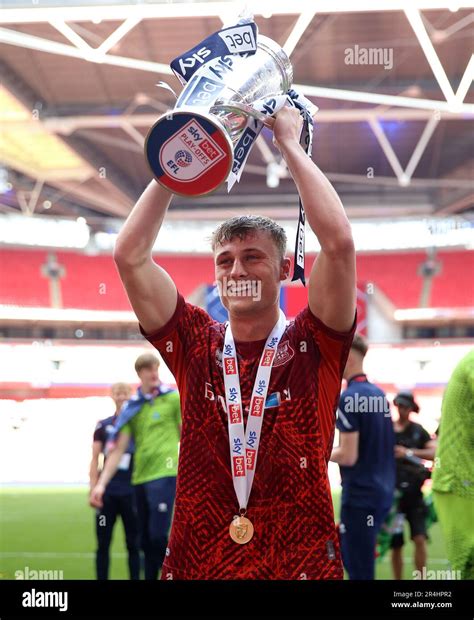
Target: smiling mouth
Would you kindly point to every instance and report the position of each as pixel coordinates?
(230, 288)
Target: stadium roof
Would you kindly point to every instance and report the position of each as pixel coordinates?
(79, 94)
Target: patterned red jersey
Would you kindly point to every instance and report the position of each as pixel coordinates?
(290, 504)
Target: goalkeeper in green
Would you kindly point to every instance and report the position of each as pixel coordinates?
(453, 475)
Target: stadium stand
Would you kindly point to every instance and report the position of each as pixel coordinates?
(91, 282)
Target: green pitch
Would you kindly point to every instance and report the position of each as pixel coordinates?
(54, 529)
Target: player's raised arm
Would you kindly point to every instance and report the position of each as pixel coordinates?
(151, 291)
(332, 284)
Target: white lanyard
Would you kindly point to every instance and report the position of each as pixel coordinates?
(244, 445)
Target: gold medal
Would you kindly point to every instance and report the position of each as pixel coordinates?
(241, 530)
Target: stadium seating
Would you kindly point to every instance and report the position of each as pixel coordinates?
(92, 282)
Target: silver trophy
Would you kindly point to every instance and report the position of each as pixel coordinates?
(267, 74)
(206, 138)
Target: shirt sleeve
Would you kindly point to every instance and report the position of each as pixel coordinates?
(178, 338)
(425, 437)
(333, 347)
(99, 433)
(347, 421)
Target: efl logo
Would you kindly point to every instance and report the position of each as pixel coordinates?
(235, 414)
(268, 356)
(250, 458)
(183, 158)
(230, 368)
(239, 467)
(257, 406)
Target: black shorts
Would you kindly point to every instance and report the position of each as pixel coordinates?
(415, 511)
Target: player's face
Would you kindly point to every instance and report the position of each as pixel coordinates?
(119, 396)
(403, 411)
(249, 272)
(149, 376)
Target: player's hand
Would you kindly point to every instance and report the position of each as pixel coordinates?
(400, 452)
(96, 495)
(286, 126)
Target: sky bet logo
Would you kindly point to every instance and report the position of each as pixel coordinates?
(250, 454)
(239, 468)
(257, 406)
(268, 356)
(242, 149)
(235, 414)
(261, 387)
(239, 39)
(237, 449)
(233, 394)
(202, 92)
(190, 61)
(230, 366)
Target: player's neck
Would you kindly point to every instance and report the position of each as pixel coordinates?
(148, 389)
(256, 327)
(352, 370)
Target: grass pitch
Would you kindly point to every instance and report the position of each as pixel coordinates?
(53, 528)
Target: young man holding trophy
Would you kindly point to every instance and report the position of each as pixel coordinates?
(258, 395)
(289, 375)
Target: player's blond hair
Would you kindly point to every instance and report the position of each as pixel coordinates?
(241, 226)
(120, 385)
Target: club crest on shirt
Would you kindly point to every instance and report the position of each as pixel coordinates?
(284, 354)
(219, 357)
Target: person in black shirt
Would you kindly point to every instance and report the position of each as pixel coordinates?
(413, 445)
(119, 498)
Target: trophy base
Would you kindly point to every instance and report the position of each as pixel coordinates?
(189, 153)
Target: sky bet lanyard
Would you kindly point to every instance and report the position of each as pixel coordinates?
(244, 445)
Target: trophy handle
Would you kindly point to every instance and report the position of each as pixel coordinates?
(239, 107)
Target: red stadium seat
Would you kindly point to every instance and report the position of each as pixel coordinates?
(92, 282)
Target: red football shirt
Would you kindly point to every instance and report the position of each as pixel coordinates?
(290, 504)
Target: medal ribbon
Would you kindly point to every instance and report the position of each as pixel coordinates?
(244, 443)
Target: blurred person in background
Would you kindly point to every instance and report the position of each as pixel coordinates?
(453, 475)
(119, 500)
(152, 417)
(367, 464)
(413, 446)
